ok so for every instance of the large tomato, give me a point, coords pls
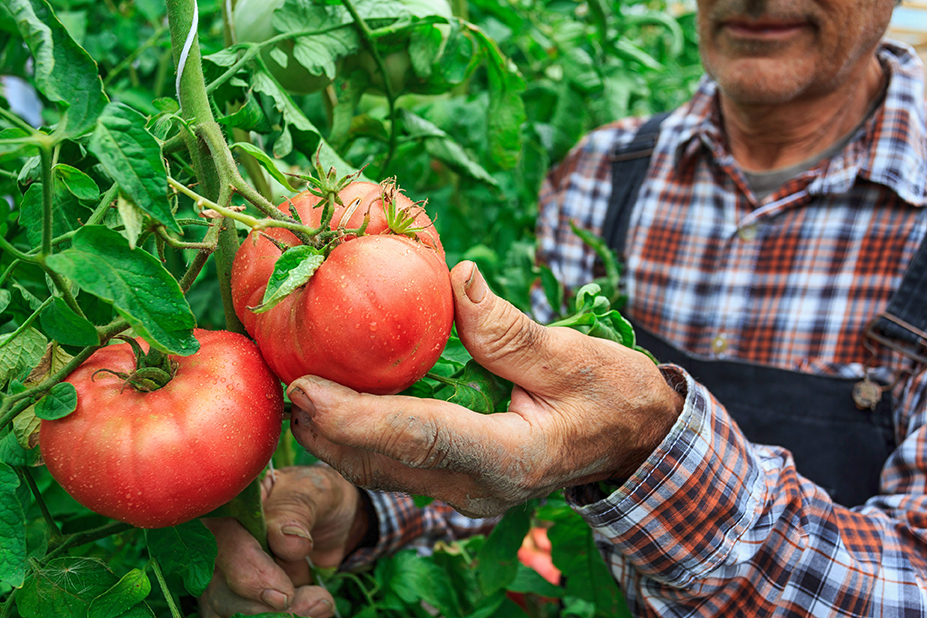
(160, 458)
(376, 314)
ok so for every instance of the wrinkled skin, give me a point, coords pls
(310, 512)
(794, 75)
(583, 409)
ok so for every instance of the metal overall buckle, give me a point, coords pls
(866, 393)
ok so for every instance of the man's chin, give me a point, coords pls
(763, 81)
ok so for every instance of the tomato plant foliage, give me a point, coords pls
(128, 186)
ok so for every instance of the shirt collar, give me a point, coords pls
(891, 149)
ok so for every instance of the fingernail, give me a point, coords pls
(302, 401)
(293, 530)
(322, 607)
(475, 287)
(275, 599)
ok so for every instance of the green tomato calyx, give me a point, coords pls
(153, 369)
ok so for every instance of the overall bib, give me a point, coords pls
(834, 442)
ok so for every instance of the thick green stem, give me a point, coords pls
(225, 255)
(48, 192)
(194, 101)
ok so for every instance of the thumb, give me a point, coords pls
(291, 510)
(500, 337)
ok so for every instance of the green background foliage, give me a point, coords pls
(95, 244)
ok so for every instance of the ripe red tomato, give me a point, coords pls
(376, 314)
(161, 458)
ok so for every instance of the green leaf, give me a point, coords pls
(417, 578)
(189, 550)
(137, 284)
(310, 139)
(585, 572)
(553, 289)
(498, 557)
(530, 581)
(5, 298)
(442, 147)
(480, 390)
(79, 184)
(293, 269)
(64, 72)
(67, 211)
(12, 453)
(60, 401)
(132, 156)
(318, 53)
(265, 161)
(64, 588)
(506, 111)
(12, 529)
(64, 326)
(250, 117)
(132, 218)
(26, 427)
(126, 593)
(20, 352)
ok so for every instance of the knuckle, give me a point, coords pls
(518, 335)
(414, 442)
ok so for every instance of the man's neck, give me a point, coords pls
(769, 137)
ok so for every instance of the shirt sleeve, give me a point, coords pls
(712, 525)
(402, 524)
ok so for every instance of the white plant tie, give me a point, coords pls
(185, 52)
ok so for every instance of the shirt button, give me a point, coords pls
(747, 233)
(719, 344)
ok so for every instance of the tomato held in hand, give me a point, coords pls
(376, 314)
(160, 458)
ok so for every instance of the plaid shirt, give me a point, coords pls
(712, 525)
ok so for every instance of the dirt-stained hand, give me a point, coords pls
(311, 511)
(583, 409)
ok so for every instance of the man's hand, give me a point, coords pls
(310, 512)
(583, 409)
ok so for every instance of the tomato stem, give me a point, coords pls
(53, 529)
(172, 605)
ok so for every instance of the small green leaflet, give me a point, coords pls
(294, 268)
(123, 596)
(19, 352)
(132, 156)
(189, 550)
(480, 390)
(595, 317)
(140, 288)
(60, 401)
(64, 326)
(266, 162)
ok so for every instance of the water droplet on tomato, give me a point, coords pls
(373, 327)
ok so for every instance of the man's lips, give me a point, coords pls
(766, 29)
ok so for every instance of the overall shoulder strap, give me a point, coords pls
(903, 325)
(629, 167)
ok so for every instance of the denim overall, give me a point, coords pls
(838, 430)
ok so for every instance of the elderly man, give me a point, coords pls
(776, 463)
